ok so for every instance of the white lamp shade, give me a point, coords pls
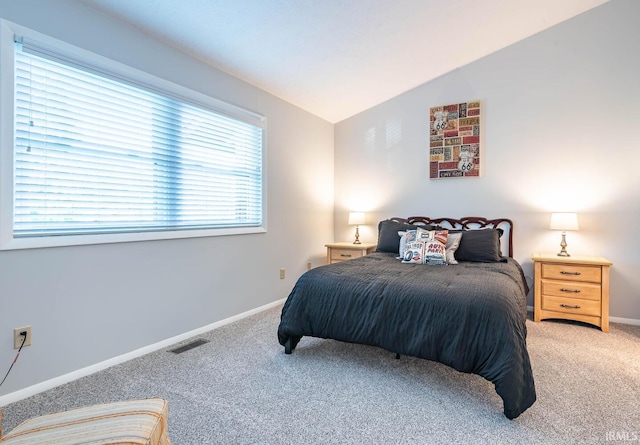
(564, 221)
(356, 218)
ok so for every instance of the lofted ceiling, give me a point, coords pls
(336, 58)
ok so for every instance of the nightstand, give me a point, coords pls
(572, 288)
(337, 252)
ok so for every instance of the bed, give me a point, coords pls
(470, 315)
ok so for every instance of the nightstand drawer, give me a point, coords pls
(345, 254)
(585, 291)
(337, 252)
(571, 305)
(572, 272)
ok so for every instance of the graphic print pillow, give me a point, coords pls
(414, 253)
(404, 236)
(428, 247)
(435, 246)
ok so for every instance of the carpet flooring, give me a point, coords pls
(240, 388)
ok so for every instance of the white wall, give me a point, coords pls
(559, 132)
(88, 304)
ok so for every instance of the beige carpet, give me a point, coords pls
(240, 388)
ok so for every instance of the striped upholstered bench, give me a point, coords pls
(130, 422)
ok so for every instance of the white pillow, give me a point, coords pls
(453, 241)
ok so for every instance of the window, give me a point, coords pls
(98, 153)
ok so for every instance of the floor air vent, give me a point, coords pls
(188, 346)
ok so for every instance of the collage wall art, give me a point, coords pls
(454, 143)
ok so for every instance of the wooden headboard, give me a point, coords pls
(467, 222)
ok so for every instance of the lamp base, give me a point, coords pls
(563, 246)
(357, 241)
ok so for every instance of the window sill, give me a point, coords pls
(80, 240)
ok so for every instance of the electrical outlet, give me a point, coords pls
(309, 266)
(17, 338)
(282, 274)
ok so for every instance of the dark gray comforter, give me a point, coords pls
(470, 316)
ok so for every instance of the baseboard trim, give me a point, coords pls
(632, 321)
(75, 375)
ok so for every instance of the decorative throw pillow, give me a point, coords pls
(428, 247)
(408, 235)
(435, 242)
(414, 253)
(481, 246)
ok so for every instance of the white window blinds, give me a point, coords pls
(96, 154)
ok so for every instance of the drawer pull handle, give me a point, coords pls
(570, 306)
(345, 254)
(577, 291)
(564, 272)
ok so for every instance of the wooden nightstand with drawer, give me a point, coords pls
(337, 252)
(572, 288)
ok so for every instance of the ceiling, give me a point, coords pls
(336, 58)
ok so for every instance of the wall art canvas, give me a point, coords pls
(454, 143)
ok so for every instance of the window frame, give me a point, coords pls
(131, 75)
